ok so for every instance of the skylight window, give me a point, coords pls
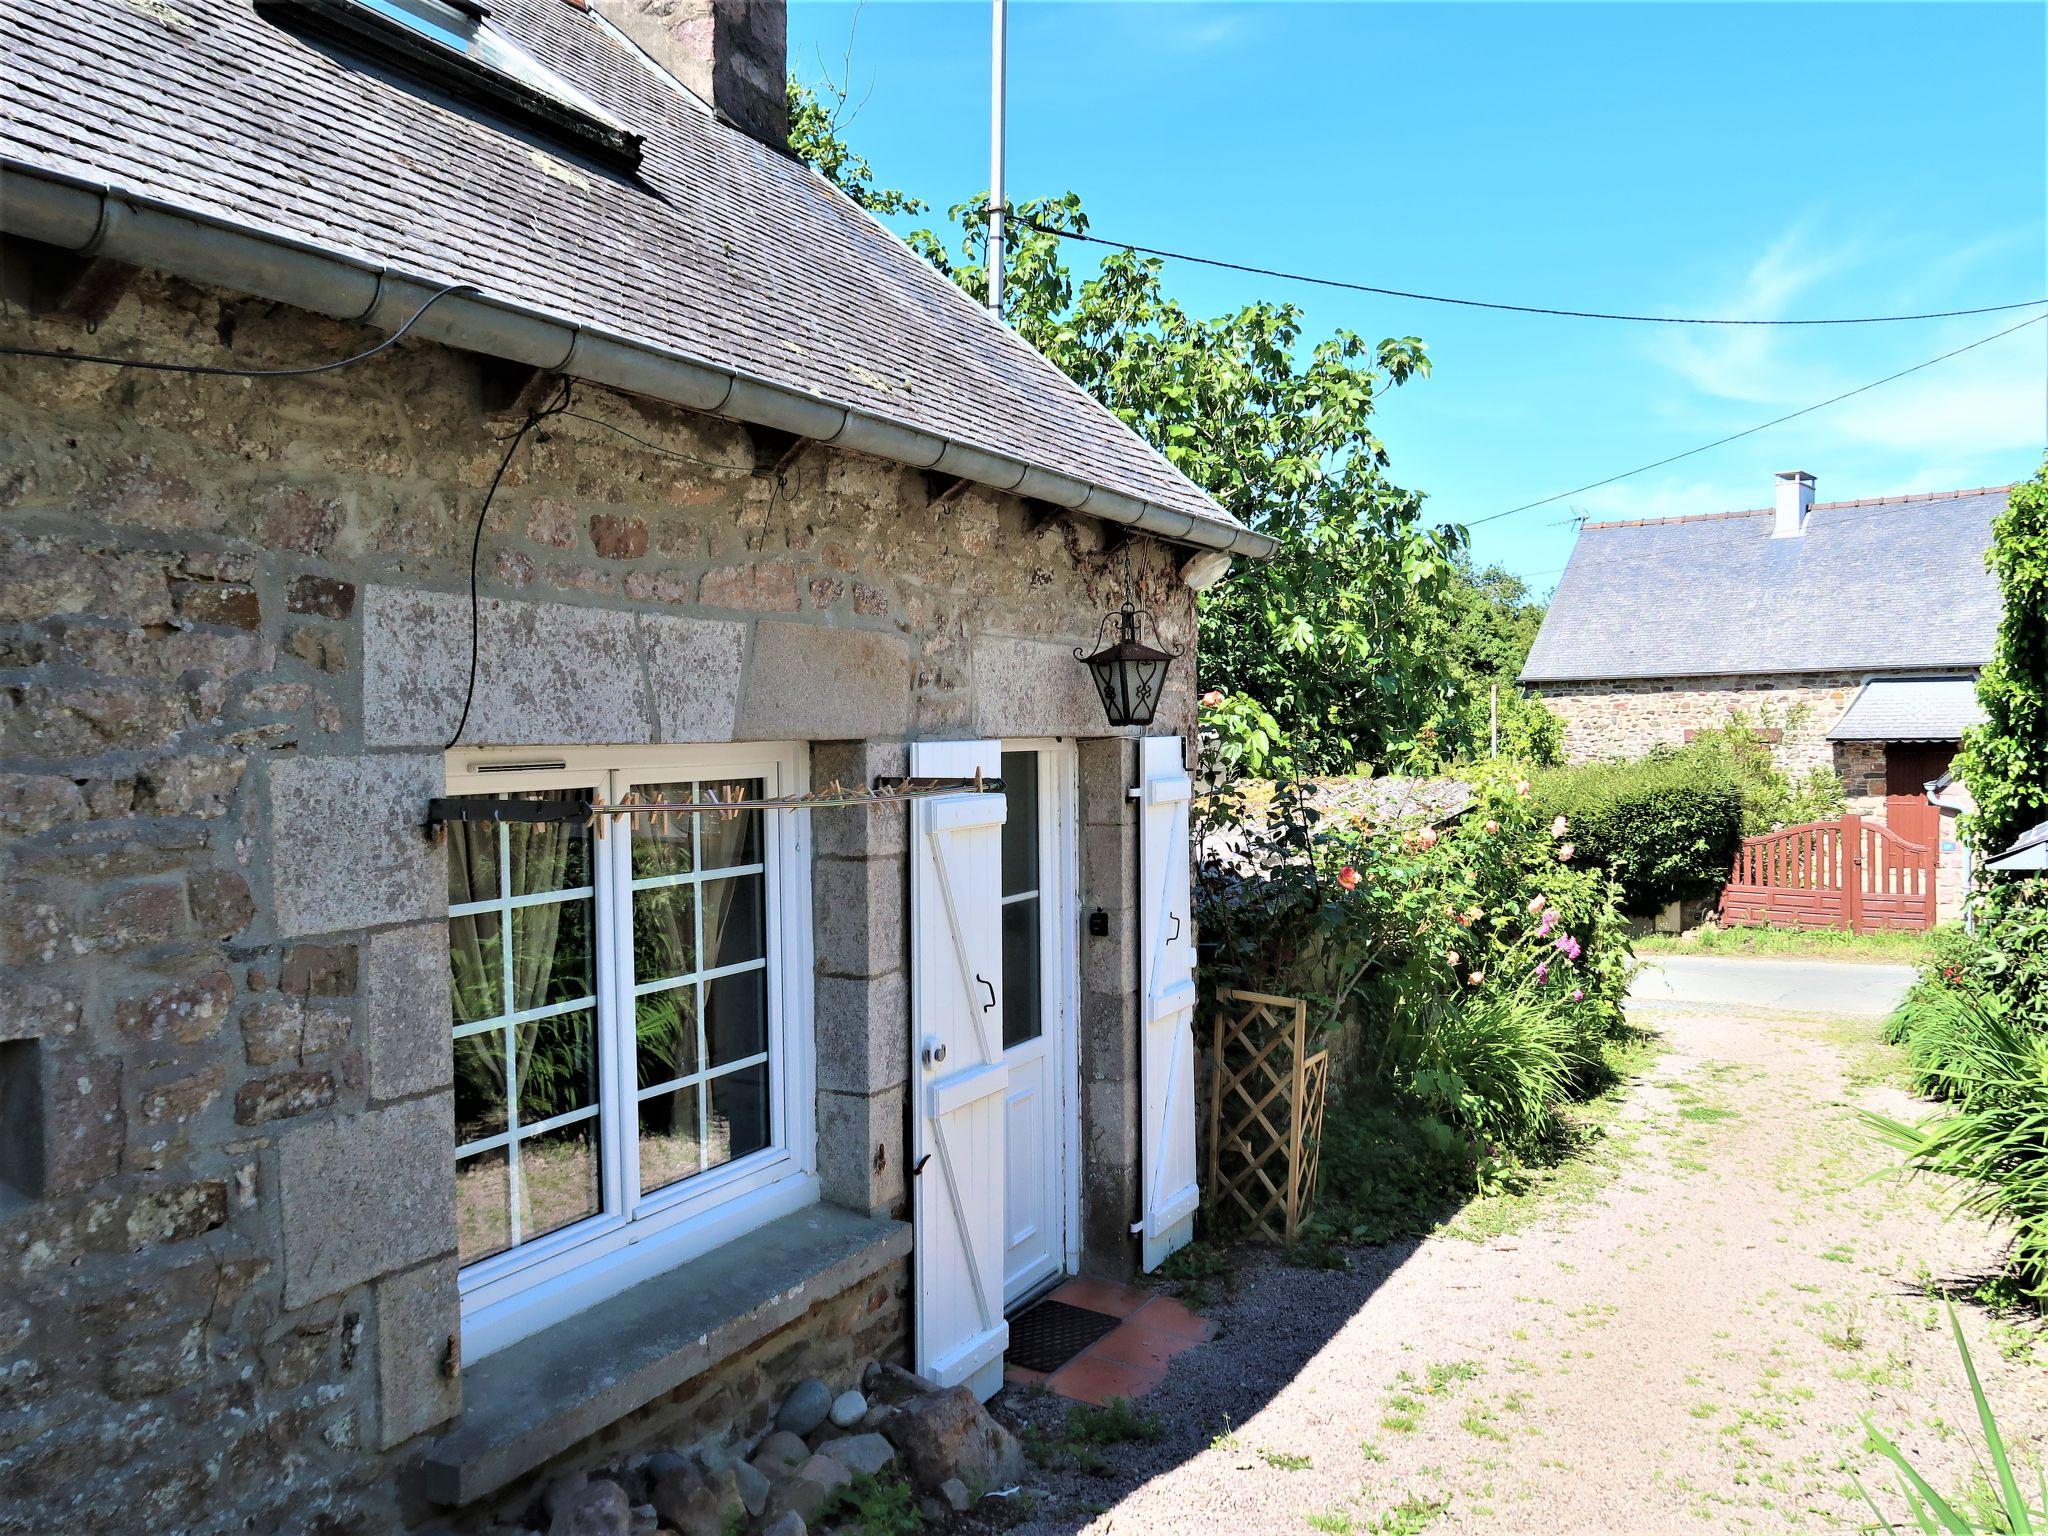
(453, 44)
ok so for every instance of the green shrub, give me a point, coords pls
(1665, 827)
(2007, 1508)
(1976, 1052)
(2005, 760)
(1492, 1065)
(1771, 798)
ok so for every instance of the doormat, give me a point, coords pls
(1048, 1335)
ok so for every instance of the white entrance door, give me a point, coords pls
(1039, 937)
(1166, 1000)
(958, 1076)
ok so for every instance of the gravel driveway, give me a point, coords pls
(1686, 1342)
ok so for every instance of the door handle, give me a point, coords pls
(1174, 937)
(990, 1004)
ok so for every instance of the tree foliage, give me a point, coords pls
(2004, 761)
(1359, 640)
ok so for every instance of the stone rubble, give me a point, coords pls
(787, 1481)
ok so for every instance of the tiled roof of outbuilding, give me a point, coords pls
(718, 250)
(1910, 709)
(1887, 584)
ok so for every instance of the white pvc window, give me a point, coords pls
(630, 1081)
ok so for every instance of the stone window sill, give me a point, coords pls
(535, 1399)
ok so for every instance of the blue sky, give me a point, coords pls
(1755, 159)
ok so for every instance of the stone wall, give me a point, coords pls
(233, 637)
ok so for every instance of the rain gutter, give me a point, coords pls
(96, 219)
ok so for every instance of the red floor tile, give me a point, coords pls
(1131, 1344)
(1165, 1315)
(1091, 1379)
(1102, 1296)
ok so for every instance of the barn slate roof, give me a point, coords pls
(1889, 584)
(719, 249)
(1910, 709)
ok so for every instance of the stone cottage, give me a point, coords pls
(1851, 632)
(384, 1129)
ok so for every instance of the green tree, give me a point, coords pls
(2004, 761)
(1493, 622)
(1342, 638)
(816, 117)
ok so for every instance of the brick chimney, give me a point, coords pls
(732, 53)
(1795, 500)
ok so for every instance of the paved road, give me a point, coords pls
(1801, 986)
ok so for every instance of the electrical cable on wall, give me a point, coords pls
(211, 370)
(1513, 309)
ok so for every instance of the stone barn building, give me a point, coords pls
(1851, 631)
(384, 1131)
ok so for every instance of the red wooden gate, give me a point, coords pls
(1849, 874)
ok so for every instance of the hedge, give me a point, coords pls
(1666, 826)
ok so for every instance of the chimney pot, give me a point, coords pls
(1795, 500)
(731, 54)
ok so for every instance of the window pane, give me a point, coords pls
(733, 924)
(664, 933)
(1023, 1019)
(668, 1137)
(557, 1066)
(1020, 826)
(662, 844)
(727, 840)
(665, 1035)
(476, 964)
(551, 953)
(739, 1115)
(557, 1178)
(483, 1206)
(547, 855)
(736, 1016)
(479, 1086)
(472, 859)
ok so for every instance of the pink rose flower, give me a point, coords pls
(1451, 956)
(1536, 904)
(1565, 852)
(1213, 699)
(1475, 978)
(1557, 827)
(1492, 827)
(1347, 877)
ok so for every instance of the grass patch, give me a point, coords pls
(1414, 1513)
(1334, 1522)
(1578, 1160)
(1079, 1440)
(875, 1506)
(1793, 943)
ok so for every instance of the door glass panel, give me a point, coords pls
(732, 921)
(476, 964)
(1020, 825)
(551, 954)
(557, 1065)
(1023, 1017)
(664, 845)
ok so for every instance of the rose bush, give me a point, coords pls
(1469, 970)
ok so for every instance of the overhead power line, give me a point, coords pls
(1529, 506)
(1516, 309)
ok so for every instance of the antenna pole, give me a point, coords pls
(997, 30)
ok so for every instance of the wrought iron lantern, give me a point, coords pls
(1129, 674)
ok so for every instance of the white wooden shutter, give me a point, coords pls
(1166, 959)
(957, 1073)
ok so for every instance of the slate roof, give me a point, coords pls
(1910, 709)
(720, 250)
(1890, 584)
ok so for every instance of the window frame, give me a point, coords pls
(517, 1292)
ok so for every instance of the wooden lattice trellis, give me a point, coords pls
(1266, 1093)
